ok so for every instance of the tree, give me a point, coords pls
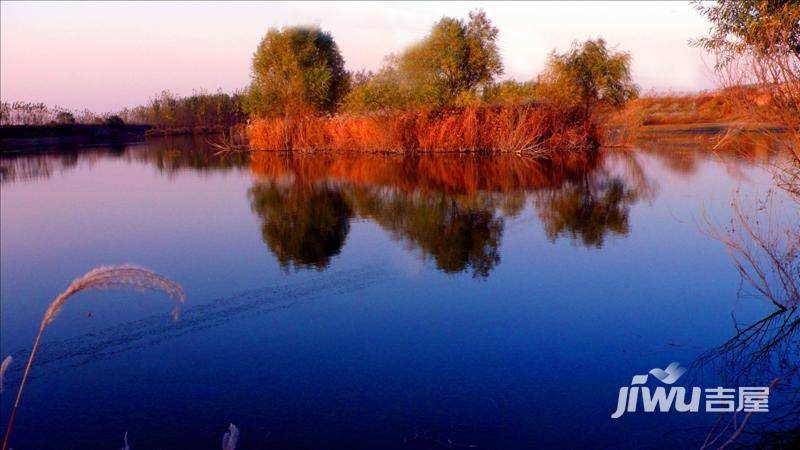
(751, 26)
(375, 91)
(456, 58)
(296, 69)
(757, 42)
(591, 75)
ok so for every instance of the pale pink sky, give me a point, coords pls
(104, 56)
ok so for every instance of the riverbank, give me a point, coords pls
(26, 137)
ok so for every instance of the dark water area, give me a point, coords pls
(382, 301)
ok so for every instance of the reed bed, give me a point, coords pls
(101, 278)
(513, 129)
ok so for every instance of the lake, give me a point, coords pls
(375, 301)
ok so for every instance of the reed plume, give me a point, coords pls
(101, 278)
(3, 367)
(230, 437)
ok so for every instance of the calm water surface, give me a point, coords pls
(365, 301)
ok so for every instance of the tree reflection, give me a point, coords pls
(765, 247)
(586, 212)
(457, 236)
(766, 352)
(304, 226)
(452, 208)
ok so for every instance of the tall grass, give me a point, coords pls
(517, 129)
(101, 278)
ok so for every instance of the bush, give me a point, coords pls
(65, 118)
(114, 121)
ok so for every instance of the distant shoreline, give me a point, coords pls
(26, 137)
(16, 138)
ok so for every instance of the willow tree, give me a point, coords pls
(456, 57)
(296, 69)
(590, 75)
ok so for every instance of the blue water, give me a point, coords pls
(368, 301)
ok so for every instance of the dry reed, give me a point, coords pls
(230, 438)
(3, 367)
(101, 278)
(515, 129)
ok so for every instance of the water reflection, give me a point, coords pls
(168, 155)
(304, 225)
(586, 211)
(764, 353)
(458, 235)
(452, 209)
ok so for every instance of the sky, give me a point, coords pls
(105, 56)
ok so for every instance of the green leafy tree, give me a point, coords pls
(510, 92)
(296, 69)
(456, 56)
(590, 75)
(454, 61)
(375, 91)
(744, 26)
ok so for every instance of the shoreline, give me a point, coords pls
(34, 138)
(15, 138)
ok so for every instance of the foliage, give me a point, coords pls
(511, 92)
(743, 26)
(590, 75)
(201, 109)
(455, 58)
(375, 91)
(296, 68)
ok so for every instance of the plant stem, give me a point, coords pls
(7, 438)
